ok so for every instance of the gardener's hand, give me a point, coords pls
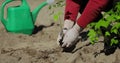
(71, 36)
(68, 24)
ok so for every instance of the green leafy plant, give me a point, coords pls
(58, 4)
(57, 14)
(108, 27)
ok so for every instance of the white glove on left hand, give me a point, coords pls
(71, 36)
(68, 24)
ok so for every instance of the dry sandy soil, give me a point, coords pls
(41, 47)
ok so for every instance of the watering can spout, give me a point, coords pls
(37, 9)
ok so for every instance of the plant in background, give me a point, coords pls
(108, 26)
(56, 15)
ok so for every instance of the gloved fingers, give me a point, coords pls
(61, 36)
(64, 44)
(66, 41)
(68, 45)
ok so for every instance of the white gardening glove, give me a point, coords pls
(71, 36)
(68, 24)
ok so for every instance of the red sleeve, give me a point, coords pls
(72, 9)
(92, 11)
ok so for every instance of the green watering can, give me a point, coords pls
(19, 18)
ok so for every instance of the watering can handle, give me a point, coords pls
(2, 11)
